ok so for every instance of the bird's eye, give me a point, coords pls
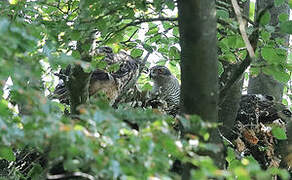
(160, 71)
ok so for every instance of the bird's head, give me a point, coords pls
(159, 73)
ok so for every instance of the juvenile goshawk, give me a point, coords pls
(166, 88)
(113, 84)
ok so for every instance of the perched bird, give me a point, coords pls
(112, 84)
(166, 88)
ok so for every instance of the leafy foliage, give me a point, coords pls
(39, 37)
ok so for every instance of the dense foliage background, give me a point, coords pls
(39, 37)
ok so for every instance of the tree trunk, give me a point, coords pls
(262, 83)
(199, 89)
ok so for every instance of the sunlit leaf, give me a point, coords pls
(265, 19)
(135, 53)
(283, 17)
(13, 1)
(279, 2)
(273, 55)
(222, 14)
(6, 153)
(279, 133)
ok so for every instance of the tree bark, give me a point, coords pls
(199, 88)
(262, 83)
(229, 107)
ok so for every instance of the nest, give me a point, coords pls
(256, 118)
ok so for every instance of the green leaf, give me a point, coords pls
(265, 35)
(278, 72)
(279, 133)
(290, 4)
(220, 68)
(4, 110)
(147, 87)
(279, 2)
(241, 173)
(174, 53)
(166, 24)
(228, 56)
(274, 55)
(175, 31)
(283, 17)
(163, 50)
(288, 66)
(6, 153)
(170, 4)
(222, 14)
(265, 19)
(161, 62)
(148, 47)
(76, 54)
(135, 53)
(152, 30)
(230, 155)
(75, 35)
(233, 41)
(13, 1)
(36, 172)
(251, 10)
(283, 173)
(71, 164)
(114, 67)
(286, 27)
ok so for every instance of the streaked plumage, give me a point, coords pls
(112, 84)
(166, 88)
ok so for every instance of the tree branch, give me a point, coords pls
(66, 176)
(137, 22)
(252, 45)
(242, 26)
